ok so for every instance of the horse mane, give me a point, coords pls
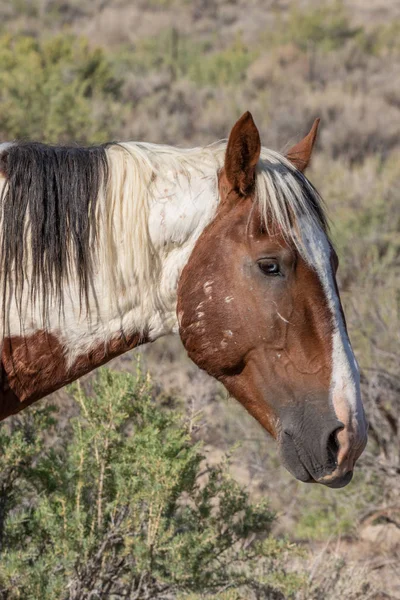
(63, 207)
(50, 200)
(283, 193)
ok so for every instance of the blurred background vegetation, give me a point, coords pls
(182, 72)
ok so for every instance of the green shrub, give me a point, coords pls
(124, 506)
(384, 39)
(325, 27)
(183, 58)
(55, 90)
(168, 51)
(222, 68)
(29, 8)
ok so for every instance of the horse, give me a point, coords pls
(108, 247)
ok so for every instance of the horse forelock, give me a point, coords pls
(286, 199)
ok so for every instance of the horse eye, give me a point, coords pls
(269, 267)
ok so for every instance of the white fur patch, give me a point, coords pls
(345, 379)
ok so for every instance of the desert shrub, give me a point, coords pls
(161, 4)
(38, 15)
(29, 8)
(366, 225)
(179, 55)
(55, 90)
(332, 577)
(123, 506)
(222, 68)
(325, 26)
(169, 51)
(21, 441)
(384, 39)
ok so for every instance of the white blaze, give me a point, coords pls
(345, 379)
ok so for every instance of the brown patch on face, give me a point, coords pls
(265, 334)
(267, 339)
(35, 366)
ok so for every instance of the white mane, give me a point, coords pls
(149, 179)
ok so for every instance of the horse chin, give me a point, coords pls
(339, 482)
(299, 471)
(301, 474)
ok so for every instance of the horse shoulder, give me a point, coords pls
(33, 367)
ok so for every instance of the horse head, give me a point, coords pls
(259, 309)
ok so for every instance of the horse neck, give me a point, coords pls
(135, 277)
(133, 288)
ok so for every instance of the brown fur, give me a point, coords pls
(227, 252)
(262, 354)
(34, 367)
(300, 154)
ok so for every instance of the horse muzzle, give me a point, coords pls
(319, 448)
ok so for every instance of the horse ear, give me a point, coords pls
(300, 154)
(242, 154)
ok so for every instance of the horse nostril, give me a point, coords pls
(333, 446)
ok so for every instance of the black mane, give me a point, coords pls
(47, 211)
